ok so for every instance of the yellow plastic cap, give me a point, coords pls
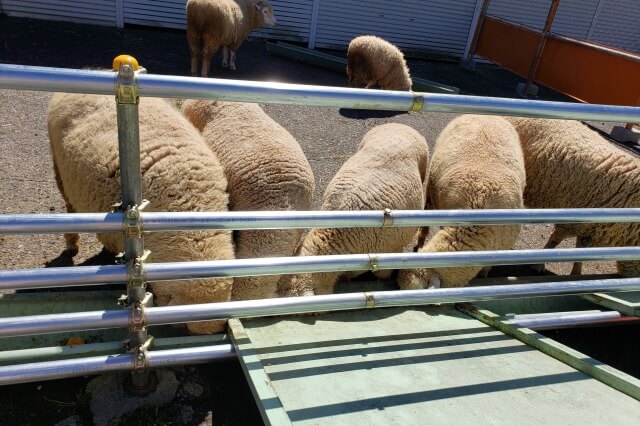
(120, 60)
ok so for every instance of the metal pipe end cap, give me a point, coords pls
(120, 60)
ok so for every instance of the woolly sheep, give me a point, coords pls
(388, 171)
(571, 166)
(179, 173)
(374, 61)
(226, 23)
(477, 164)
(266, 170)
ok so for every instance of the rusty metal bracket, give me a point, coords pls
(388, 219)
(126, 85)
(140, 355)
(137, 319)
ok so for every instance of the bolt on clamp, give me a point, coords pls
(140, 355)
(132, 223)
(388, 219)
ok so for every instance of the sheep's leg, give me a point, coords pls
(209, 48)
(225, 57)
(72, 241)
(194, 48)
(581, 242)
(232, 60)
(556, 238)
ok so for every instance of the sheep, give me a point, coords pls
(389, 170)
(179, 173)
(266, 170)
(477, 164)
(226, 23)
(374, 61)
(571, 166)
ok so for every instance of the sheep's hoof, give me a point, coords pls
(232, 67)
(225, 65)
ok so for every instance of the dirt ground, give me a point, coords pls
(328, 137)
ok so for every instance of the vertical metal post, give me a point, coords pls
(543, 40)
(476, 34)
(130, 180)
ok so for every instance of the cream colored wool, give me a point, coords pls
(477, 164)
(266, 170)
(571, 166)
(374, 61)
(388, 171)
(179, 173)
(212, 24)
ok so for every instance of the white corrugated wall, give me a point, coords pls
(101, 12)
(293, 16)
(435, 25)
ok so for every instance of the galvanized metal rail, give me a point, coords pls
(192, 221)
(102, 82)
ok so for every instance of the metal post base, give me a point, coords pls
(150, 384)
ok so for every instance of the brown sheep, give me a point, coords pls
(226, 23)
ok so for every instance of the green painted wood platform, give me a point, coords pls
(431, 365)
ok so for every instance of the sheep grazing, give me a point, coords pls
(477, 164)
(388, 171)
(179, 173)
(571, 166)
(266, 170)
(227, 23)
(374, 61)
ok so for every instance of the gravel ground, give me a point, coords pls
(328, 135)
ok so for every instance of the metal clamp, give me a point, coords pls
(373, 262)
(388, 219)
(126, 85)
(418, 103)
(132, 223)
(370, 300)
(140, 355)
(135, 270)
(137, 319)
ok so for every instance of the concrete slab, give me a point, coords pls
(396, 366)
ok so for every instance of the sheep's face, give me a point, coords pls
(266, 10)
(418, 279)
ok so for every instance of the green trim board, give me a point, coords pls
(267, 401)
(412, 366)
(627, 303)
(581, 362)
(335, 63)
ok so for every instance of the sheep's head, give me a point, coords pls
(266, 10)
(418, 279)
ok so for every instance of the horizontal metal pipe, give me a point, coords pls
(50, 370)
(189, 221)
(155, 272)
(102, 82)
(16, 279)
(43, 324)
(572, 319)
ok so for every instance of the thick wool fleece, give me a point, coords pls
(477, 164)
(179, 173)
(374, 61)
(212, 24)
(266, 170)
(388, 171)
(571, 166)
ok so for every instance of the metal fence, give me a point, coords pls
(128, 84)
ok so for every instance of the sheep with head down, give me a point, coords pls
(179, 173)
(477, 164)
(388, 171)
(571, 166)
(266, 170)
(374, 61)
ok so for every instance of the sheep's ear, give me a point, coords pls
(258, 5)
(434, 281)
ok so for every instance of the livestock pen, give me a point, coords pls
(144, 353)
